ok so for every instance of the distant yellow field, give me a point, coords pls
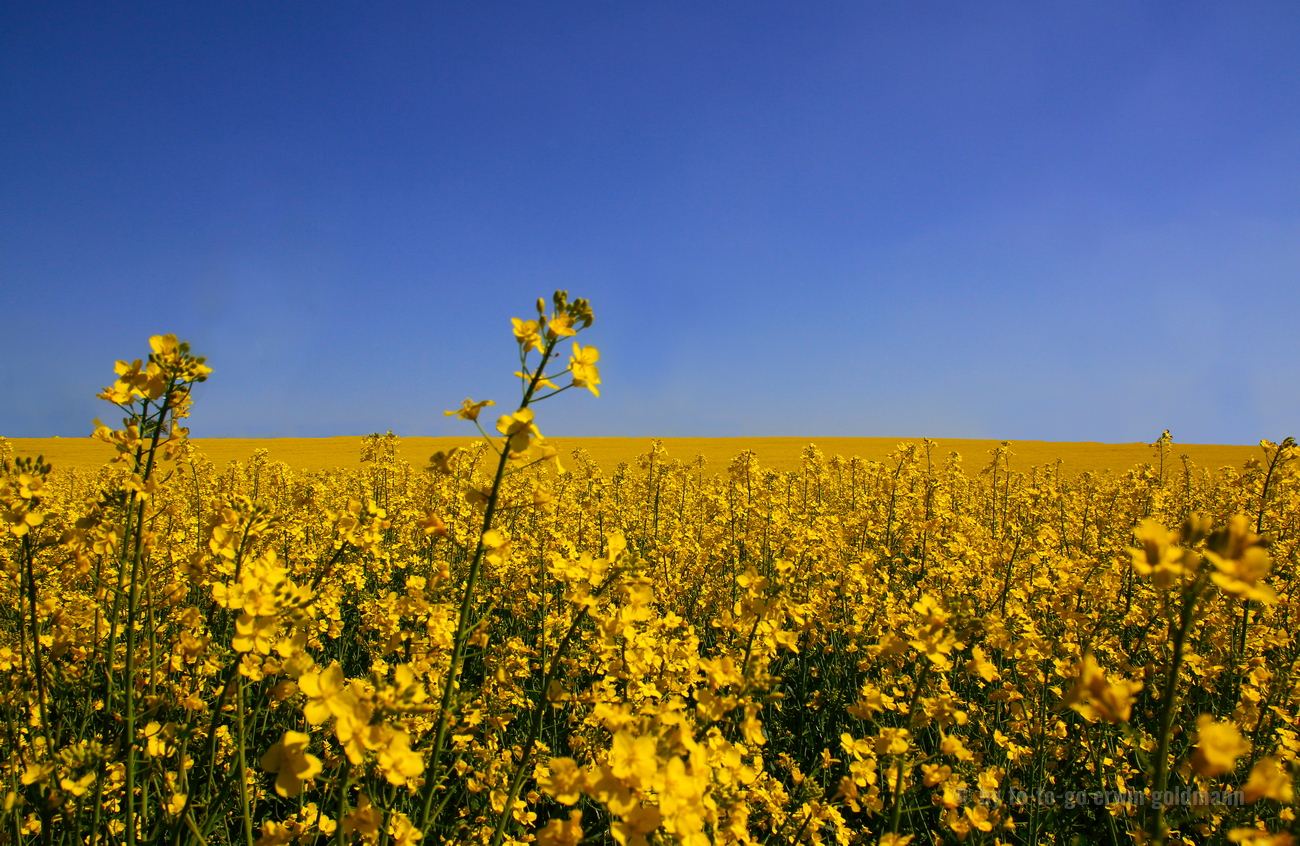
(775, 453)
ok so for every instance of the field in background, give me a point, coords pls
(775, 453)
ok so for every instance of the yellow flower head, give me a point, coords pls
(1095, 697)
(527, 333)
(1259, 837)
(364, 819)
(563, 781)
(892, 741)
(78, 787)
(164, 346)
(633, 759)
(560, 326)
(440, 461)
(291, 762)
(398, 761)
(1218, 747)
(1159, 556)
(560, 832)
(582, 366)
(326, 695)
(468, 409)
(518, 429)
(254, 634)
(402, 830)
(1269, 779)
(1239, 557)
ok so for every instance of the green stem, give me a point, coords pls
(37, 663)
(463, 628)
(132, 617)
(1168, 707)
(341, 810)
(244, 807)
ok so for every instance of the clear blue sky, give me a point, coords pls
(1032, 221)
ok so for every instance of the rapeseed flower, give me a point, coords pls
(291, 762)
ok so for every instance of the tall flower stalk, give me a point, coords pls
(518, 434)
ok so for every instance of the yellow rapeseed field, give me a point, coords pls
(781, 454)
(579, 642)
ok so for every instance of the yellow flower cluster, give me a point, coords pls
(496, 649)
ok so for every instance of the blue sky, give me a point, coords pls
(1031, 221)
